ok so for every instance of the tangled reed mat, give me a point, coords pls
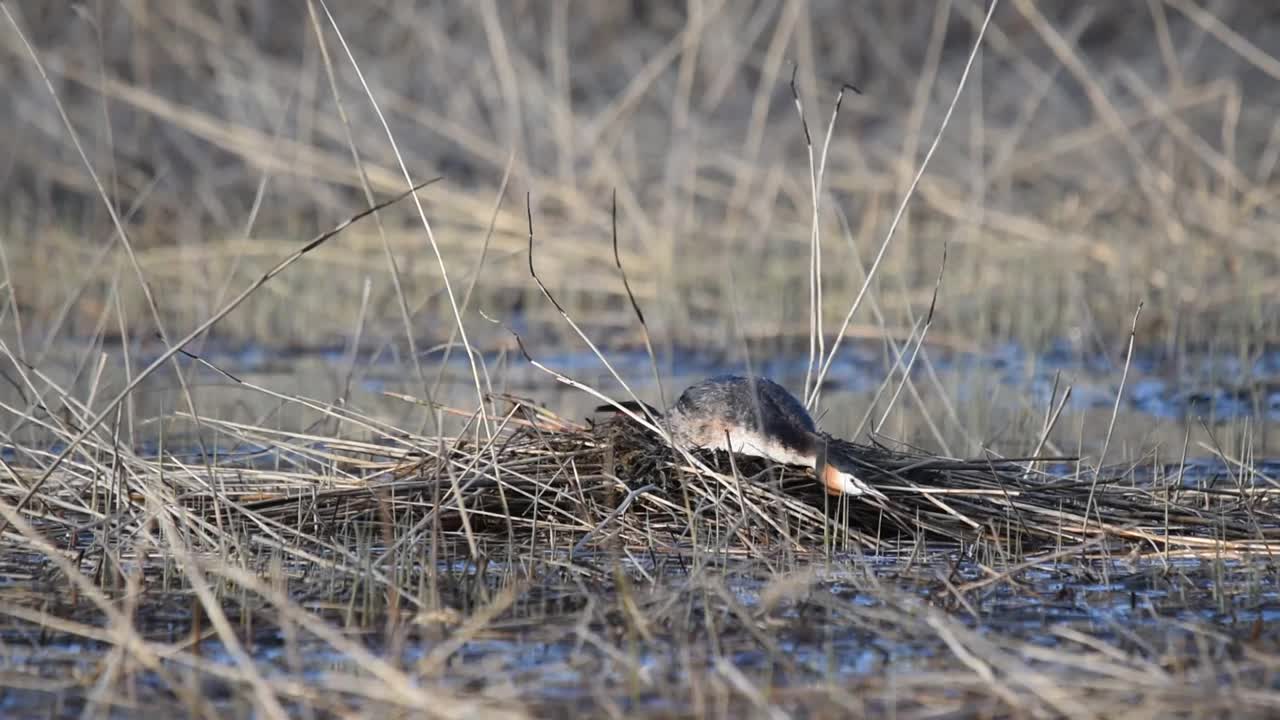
(373, 548)
(611, 482)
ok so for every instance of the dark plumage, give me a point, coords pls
(755, 404)
(757, 416)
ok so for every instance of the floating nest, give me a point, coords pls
(613, 481)
(541, 482)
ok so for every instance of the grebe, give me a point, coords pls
(757, 416)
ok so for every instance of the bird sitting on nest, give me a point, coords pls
(758, 417)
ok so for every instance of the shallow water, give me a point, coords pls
(858, 618)
(854, 618)
(1216, 387)
(1209, 385)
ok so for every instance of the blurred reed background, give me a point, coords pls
(1102, 155)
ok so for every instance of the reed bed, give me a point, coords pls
(609, 481)
(597, 544)
(512, 562)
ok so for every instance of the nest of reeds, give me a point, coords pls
(612, 481)
(538, 481)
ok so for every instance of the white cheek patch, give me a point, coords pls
(753, 443)
(758, 445)
(851, 485)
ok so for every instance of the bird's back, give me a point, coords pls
(752, 404)
(757, 416)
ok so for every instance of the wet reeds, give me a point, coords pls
(610, 481)
(595, 541)
(180, 540)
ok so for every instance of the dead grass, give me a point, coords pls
(276, 547)
(1076, 178)
(595, 547)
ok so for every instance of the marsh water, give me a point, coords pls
(1207, 389)
(554, 652)
(844, 625)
